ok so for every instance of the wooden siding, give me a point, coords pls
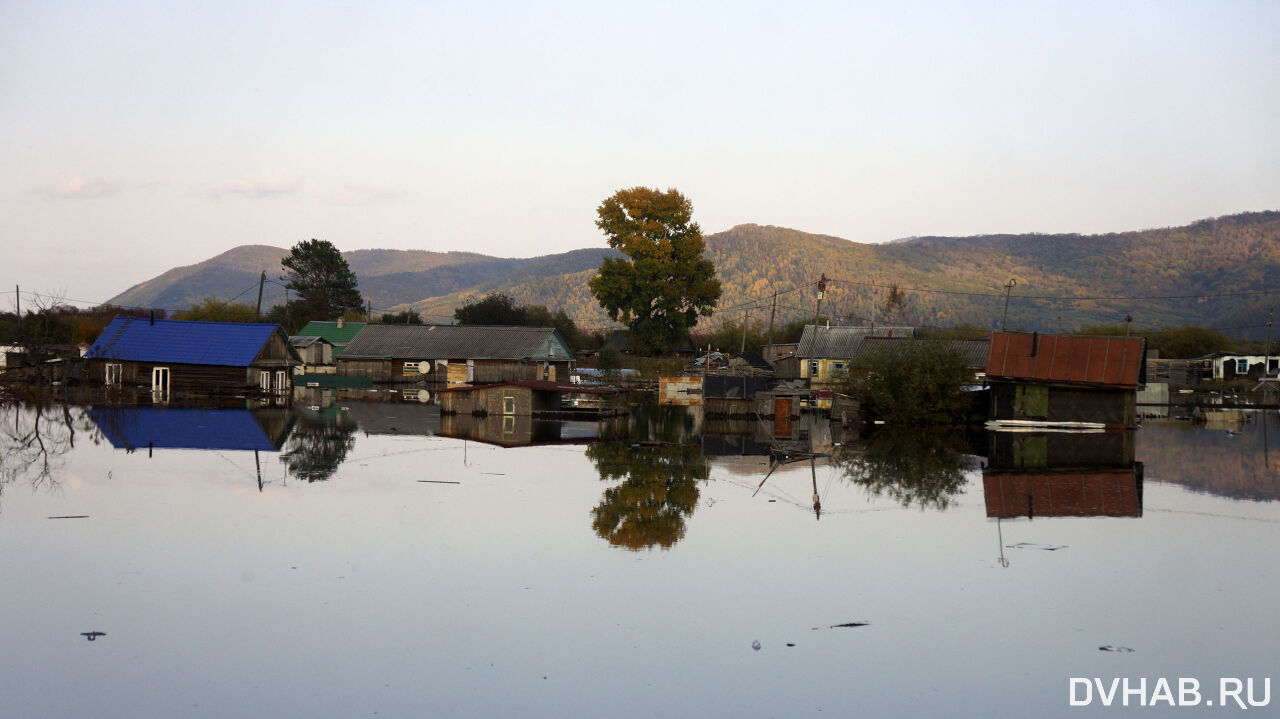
(193, 379)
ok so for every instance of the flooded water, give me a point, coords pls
(353, 561)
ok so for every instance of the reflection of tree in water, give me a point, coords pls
(317, 446)
(660, 477)
(923, 466)
(35, 439)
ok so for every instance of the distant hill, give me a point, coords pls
(1211, 273)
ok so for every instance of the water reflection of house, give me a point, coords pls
(1052, 379)
(1062, 474)
(525, 399)
(446, 354)
(396, 418)
(133, 428)
(524, 431)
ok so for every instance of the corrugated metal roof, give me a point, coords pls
(974, 352)
(339, 337)
(425, 342)
(300, 342)
(137, 339)
(181, 428)
(819, 342)
(1113, 362)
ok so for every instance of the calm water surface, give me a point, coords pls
(357, 563)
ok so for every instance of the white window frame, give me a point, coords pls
(1242, 366)
(156, 374)
(282, 380)
(264, 380)
(115, 373)
(508, 404)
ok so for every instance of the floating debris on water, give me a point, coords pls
(1033, 545)
(1113, 648)
(756, 645)
(71, 516)
(92, 635)
(849, 625)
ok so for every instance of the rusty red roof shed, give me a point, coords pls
(1104, 362)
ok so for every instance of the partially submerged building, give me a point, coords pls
(825, 354)
(1064, 379)
(198, 358)
(451, 355)
(338, 333)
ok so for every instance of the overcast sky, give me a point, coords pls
(143, 136)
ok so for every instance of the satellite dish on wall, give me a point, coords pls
(424, 367)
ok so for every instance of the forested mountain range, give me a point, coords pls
(1215, 273)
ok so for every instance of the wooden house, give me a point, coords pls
(452, 355)
(338, 334)
(1230, 366)
(824, 354)
(1056, 379)
(313, 349)
(197, 358)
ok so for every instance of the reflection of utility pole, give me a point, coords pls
(1008, 290)
(813, 470)
(1128, 320)
(258, 466)
(1000, 538)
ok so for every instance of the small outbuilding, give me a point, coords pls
(200, 358)
(338, 333)
(314, 350)
(1056, 379)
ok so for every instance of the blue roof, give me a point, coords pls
(181, 428)
(136, 339)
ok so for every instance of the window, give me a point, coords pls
(508, 425)
(508, 404)
(1273, 364)
(282, 380)
(114, 373)
(264, 381)
(813, 368)
(838, 368)
(1242, 366)
(160, 380)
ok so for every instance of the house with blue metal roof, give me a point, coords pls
(196, 358)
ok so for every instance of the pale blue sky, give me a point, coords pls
(141, 136)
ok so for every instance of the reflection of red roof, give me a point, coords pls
(540, 385)
(1089, 493)
(1113, 362)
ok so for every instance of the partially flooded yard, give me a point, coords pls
(352, 561)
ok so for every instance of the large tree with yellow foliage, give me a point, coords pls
(664, 283)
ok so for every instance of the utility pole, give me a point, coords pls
(772, 312)
(368, 313)
(1008, 290)
(17, 301)
(1266, 365)
(262, 279)
(822, 290)
(743, 349)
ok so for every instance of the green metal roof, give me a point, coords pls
(337, 336)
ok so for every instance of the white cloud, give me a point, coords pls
(260, 188)
(78, 188)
